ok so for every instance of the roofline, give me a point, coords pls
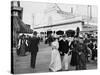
(60, 24)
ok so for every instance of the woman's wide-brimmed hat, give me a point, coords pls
(60, 32)
(70, 33)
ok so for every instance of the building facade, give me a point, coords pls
(16, 10)
(64, 25)
(57, 19)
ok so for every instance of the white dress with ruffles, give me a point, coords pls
(55, 63)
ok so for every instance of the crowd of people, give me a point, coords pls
(66, 51)
(73, 51)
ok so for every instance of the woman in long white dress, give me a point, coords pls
(55, 64)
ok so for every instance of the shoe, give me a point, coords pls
(50, 70)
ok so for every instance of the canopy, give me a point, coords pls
(19, 26)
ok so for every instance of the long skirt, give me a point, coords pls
(55, 64)
(74, 59)
(22, 50)
(81, 65)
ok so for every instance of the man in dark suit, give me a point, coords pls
(33, 46)
(63, 47)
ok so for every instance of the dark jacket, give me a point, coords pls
(63, 47)
(33, 45)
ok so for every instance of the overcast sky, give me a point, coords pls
(37, 9)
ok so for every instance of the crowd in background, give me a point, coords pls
(89, 39)
(86, 43)
(77, 51)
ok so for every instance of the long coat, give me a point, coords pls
(33, 47)
(33, 44)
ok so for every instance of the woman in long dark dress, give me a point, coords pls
(74, 53)
(22, 46)
(81, 50)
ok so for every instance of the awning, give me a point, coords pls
(19, 26)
